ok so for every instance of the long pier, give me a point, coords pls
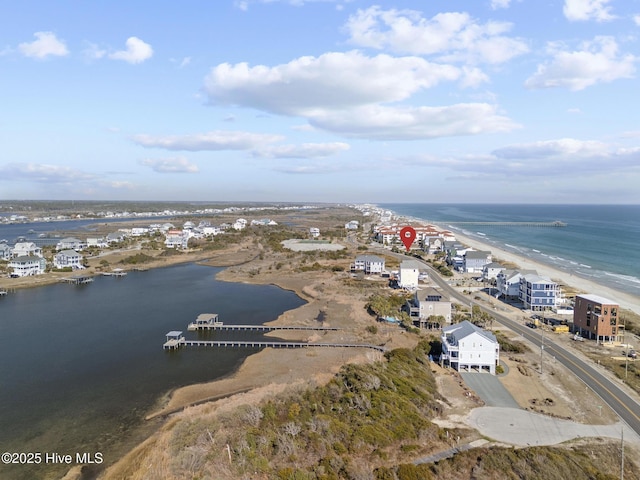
(557, 223)
(263, 328)
(260, 344)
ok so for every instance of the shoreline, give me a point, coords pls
(624, 299)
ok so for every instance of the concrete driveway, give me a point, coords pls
(523, 428)
(489, 389)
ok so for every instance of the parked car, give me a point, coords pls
(632, 354)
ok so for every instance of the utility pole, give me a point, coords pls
(541, 341)
(621, 453)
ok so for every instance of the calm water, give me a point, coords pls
(599, 243)
(80, 365)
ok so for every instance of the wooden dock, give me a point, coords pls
(78, 280)
(116, 272)
(175, 343)
(209, 321)
(3, 291)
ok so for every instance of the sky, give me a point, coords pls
(439, 101)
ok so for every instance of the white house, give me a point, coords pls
(139, 231)
(409, 273)
(352, 225)
(25, 249)
(68, 258)
(26, 265)
(466, 347)
(314, 232)
(369, 264)
(5, 251)
(99, 242)
(240, 224)
(491, 270)
(176, 239)
(474, 261)
(71, 243)
(508, 283)
(210, 231)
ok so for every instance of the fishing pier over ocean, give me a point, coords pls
(556, 223)
(209, 321)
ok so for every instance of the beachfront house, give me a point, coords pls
(466, 347)
(597, 317)
(368, 264)
(426, 305)
(491, 270)
(409, 273)
(27, 265)
(475, 261)
(68, 258)
(537, 293)
(26, 249)
(508, 284)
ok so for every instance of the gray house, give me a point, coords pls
(475, 260)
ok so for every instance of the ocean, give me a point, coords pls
(600, 242)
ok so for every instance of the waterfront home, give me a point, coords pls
(597, 317)
(26, 265)
(314, 232)
(99, 242)
(139, 231)
(68, 258)
(5, 251)
(210, 231)
(409, 273)
(466, 347)
(537, 293)
(369, 264)
(508, 283)
(491, 270)
(176, 239)
(115, 237)
(26, 249)
(427, 304)
(71, 243)
(475, 260)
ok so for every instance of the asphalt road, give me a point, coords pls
(625, 406)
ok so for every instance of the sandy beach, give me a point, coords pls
(583, 285)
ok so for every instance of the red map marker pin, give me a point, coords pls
(407, 235)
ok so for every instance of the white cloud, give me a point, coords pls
(351, 93)
(410, 123)
(216, 140)
(94, 52)
(496, 4)
(137, 51)
(305, 150)
(582, 10)
(597, 62)
(43, 173)
(47, 44)
(170, 165)
(454, 36)
(337, 80)
(636, 19)
(541, 159)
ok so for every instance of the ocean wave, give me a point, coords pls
(626, 278)
(585, 266)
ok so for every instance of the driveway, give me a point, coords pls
(489, 389)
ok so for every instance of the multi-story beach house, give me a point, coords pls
(369, 264)
(467, 347)
(508, 283)
(427, 304)
(537, 293)
(314, 232)
(68, 258)
(475, 260)
(5, 251)
(71, 243)
(22, 249)
(409, 274)
(491, 270)
(597, 317)
(26, 265)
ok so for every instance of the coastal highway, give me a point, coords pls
(611, 394)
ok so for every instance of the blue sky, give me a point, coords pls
(510, 101)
